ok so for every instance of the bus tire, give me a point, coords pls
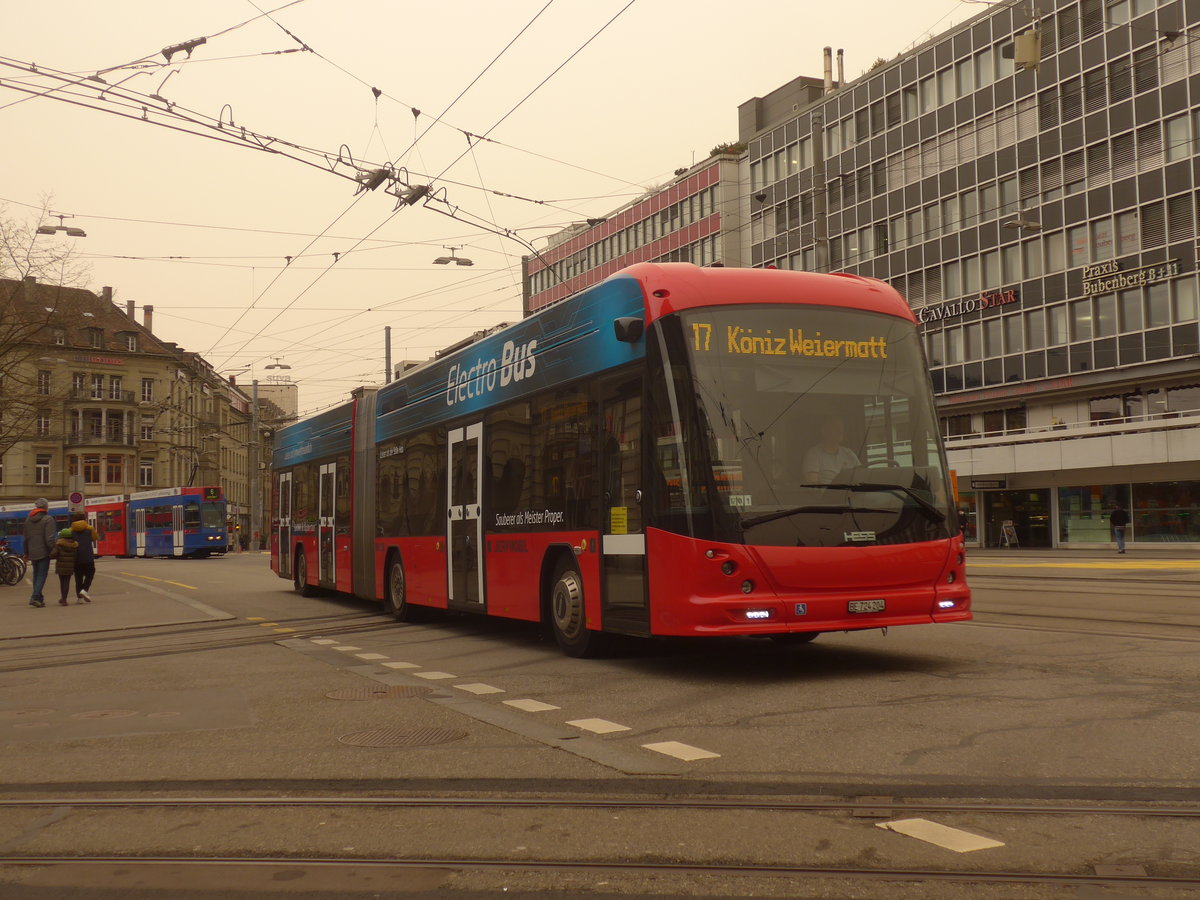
(396, 591)
(567, 613)
(795, 637)
(300, 576)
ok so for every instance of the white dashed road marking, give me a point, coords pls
(531, 705)
(347, 649)
(324, 641)
(479, 689)
(685, 752)
(400, 665)
(434, 676)
(598, 726)
(942, 835)
(370, 656)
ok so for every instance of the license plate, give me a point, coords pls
(866, 606)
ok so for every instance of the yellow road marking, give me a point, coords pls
(268, 624)
(190, 587)
(135, 575)
(255, 619)
(285, 630)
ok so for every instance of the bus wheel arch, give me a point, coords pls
(564, 607)
(300, 574)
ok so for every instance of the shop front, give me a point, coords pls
(1018, 519)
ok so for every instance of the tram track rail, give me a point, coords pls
(646, 867)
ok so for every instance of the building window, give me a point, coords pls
(131, 343)
(43, 381)
(147, 390)
(91, 469)
(78, 384)
(43, 424)
(146, 472)
(97, 387)
(60, 336)
(41, 469)
(115, 470)
(72, 465)
(96, 338)
(114, 387)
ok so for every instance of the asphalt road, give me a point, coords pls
(1059, 725)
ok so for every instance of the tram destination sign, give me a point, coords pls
(1104, 277)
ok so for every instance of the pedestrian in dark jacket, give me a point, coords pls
(1118, 518)
(85, 556)
(63, 555)
(40, 534)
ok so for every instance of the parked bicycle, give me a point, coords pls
(12, 568)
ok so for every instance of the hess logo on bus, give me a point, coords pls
(516, 363)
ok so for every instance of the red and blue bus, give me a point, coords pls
(179, 521)
(109, 516)
(12, 522)
(675, 451)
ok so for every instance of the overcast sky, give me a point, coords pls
(200, 229)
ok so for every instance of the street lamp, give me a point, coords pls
(70, 230)
(457, 260)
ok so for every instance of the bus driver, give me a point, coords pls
(827, 458)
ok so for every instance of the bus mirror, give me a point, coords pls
(628, 329)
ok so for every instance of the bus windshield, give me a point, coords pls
(212, 515)
(799, 426)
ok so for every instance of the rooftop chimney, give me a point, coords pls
(841, 68)
(106, 293)
(129, 310)
(828, 70)
(148, 317)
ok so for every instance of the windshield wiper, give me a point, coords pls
(784, 513)
(928, 508)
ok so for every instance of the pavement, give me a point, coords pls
(122, 599)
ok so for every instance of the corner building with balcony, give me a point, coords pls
(1041, 222)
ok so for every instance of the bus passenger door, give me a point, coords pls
(623, 541)
(284, 538)
(325, 496)
(177, 529)
(139, 532)
(464, 522)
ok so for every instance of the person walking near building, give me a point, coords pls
(40, 535)
(1119, 519)
(63, 555)
(85, 557)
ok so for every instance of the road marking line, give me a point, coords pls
(285, 630)
(135, 575)
(268, 624)
(598, 726)
(434, 676)
(347, 649)
(479, 689)
(324, 641)
(401, 665)
(942, 835)
(685, 752)
(259, 619)
(531, 705)
(370, 656)
(190, 587)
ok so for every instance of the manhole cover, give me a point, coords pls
(105, 714)
(378, 692)
(24, 713)
(394, 737)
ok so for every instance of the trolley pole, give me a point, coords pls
(255, 473)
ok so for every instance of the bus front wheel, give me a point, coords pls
(567, 615)
(300, 576)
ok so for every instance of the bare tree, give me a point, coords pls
(24, 323)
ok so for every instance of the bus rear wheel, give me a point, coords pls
(300, 576)
(567, 615)
(396, 594)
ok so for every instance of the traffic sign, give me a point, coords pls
(75, 502)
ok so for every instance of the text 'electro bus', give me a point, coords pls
(676, 451)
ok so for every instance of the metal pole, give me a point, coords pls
(387, 354)
(255, 477)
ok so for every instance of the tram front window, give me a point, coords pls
(816, 425)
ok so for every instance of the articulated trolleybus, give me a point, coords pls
(675, 451)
